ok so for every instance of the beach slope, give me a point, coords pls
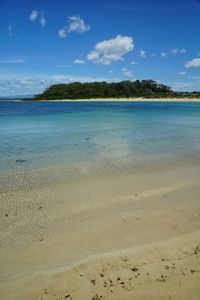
(129, 235)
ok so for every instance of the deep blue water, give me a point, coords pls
(41, 134)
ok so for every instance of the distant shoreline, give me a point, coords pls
(195, 100)
(124, 100)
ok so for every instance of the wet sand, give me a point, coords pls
(133, 235)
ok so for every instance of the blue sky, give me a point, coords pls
(46, 42)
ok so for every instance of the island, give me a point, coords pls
(147, 89)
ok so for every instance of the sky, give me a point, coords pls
(45, 42)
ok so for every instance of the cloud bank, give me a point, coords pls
(21, 85)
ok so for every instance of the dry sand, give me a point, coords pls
(122, 236)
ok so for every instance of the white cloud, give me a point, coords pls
(62, 33)
(163, 54)
(182, 51)
(95, 57)
(181, 73)
(142, 53)
(134, 63)
(76, 24)
(63, 66)
(34, 15)
(11, 30)
(127, 73)
(178, 51)
(175, 51)
(111, 50)
(13, 61)
(79, 61)
(194, 63)
(43, 21)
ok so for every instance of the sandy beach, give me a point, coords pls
(125, 235)
(129, 100)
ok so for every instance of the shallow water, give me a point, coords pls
(35, 135)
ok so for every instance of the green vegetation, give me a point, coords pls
(123, 89)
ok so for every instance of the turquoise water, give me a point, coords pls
(38, 135)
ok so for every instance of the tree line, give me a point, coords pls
(123, 89)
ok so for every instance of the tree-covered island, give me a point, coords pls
(103, 90)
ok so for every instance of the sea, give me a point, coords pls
(73, 135)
